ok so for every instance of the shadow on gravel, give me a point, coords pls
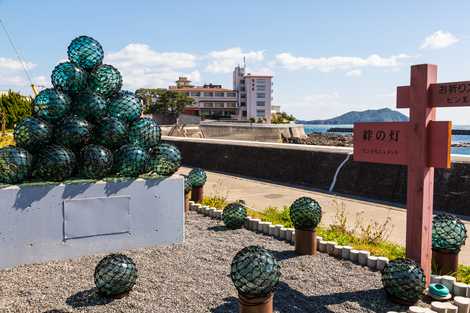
(284, 255)
(86, 298)
(217, 228)
(230, 305)
(55, 311)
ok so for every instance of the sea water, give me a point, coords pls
(455, 138)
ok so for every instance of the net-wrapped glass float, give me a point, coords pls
(198, 177)
(144, 132)
(187, 184)
(255, 272)
(15, 165)
(54, 163)
(89, 106)
(170, 152)
(72, 132)
(234, 215)
(127, 107)
(115, 274)
(111, 133)
(105, 80)
(403, 280)
(95, 161)
(51, 105)
(163, 166)
(131, 161)
(305, 213)
(85, 52)
(448, 233)
(32, 133)
(69, 78)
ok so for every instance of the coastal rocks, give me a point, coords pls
(322, 140)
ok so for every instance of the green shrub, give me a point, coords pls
(13, 107)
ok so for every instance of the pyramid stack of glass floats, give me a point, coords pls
(86, 126)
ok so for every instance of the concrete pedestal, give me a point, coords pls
(446, 262)
(256, 305)
(197, 194)
(305, 242)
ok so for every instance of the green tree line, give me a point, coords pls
(13, 107)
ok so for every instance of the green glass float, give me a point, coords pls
(105, 80)
(170, 152)
(32, 133)
(255, 272)
(72, 132)
(95, 161)
(15, 165)
(403, 280)
(89, 106)
(305, 213)
(187, 184)
(145, 132)
(111, 133)
(69, 78)
(448, 233)
(115, 275)
(51, 105)
(127, 107)
(234, 215)
(131, 161)
(54, 163)
(163, 166)
(198, 177)
(86, 52)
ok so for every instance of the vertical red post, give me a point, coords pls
(420, 175)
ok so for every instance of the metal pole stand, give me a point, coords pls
(197, 194)
(446, 262)
(305, 242)
(256, 305)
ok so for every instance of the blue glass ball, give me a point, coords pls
(125, 106)
(86, 52)
(54, 163)
(69, 78)
(32, 133)
(95, 161)
(105, 80)
(15, 165)
(111, 133)
(89, 106)
(72, 132)
(145, 132)
(131, 161)
(51, 105)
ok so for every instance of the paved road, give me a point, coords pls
(261, 194)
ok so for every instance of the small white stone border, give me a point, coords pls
(460, 291)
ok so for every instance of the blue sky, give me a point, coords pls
(327, 57)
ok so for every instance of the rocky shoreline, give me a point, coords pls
(322, 139)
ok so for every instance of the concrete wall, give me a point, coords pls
(51, 222)
(315, 166)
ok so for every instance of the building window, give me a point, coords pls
(243, 104)
(231, 94)
(244, 113)
(208, 94)
(261, 81)
(243, 96)
(260, 95)
(208, 105)
(219, 94)
(260, 103)
(260, 113)
(231, 105)
(260, 88)
(195, 94)
(219, 104)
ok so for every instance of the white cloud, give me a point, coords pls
(439, 40)
(328, 64)
(14, 65)
(143, 67)
(354, 73)
(225, 60)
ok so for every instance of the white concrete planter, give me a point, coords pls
(381, 262)
(449, 282)
(463, 304)
(330, 247)
(345, 252)
(282, 233)
(362, 257)
(372, 262)
(460, 289)
(289, 232)
(255, 224)
(266, 227)
(436, 279)
(353, 255)
(57, 221)
(277, 230)
(322, 246)
(337, 251)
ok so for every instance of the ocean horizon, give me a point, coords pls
(322, 128)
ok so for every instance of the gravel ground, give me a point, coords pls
(193, 277)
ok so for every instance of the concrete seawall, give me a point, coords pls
(316, 167)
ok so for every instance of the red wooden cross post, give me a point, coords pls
(422, 144)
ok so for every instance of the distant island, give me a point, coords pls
(381, 115)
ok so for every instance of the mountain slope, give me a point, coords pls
(381, 115)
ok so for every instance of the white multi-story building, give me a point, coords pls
(250, 98)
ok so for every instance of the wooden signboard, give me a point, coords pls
(421, 144)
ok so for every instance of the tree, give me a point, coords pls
(163, 101)
(282, 118)
(13, 108)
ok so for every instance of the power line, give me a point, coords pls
(17, 52)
